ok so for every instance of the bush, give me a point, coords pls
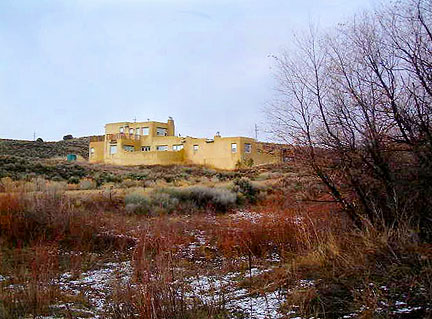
(245, 187)
(203, 197)
(87, 184)
(138, 202)
(152, 204)
(67, 137)
(46, 217)
(168, 200)
(105, 177)
(74, 180)
(163, 202)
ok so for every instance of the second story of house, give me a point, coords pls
(137, 130)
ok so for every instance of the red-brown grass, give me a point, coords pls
(312, 240)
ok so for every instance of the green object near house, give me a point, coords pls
(71, 157)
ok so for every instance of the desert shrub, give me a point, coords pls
(269, 175)
(169, 200)
(74, 180)
(56, 178)
(138, 202)
(209, 172)
(214, 179)
(205, 197)
(67, 137)
(163, 202)
(187, 170)
(20, 168)
(228, 175)
(128, 183)
(150, 204)
(105, 177)
(6, 184)
(54, 187)
(245, 188)
(138, 176)
(149, 184)
(169, 178)
(87, 184)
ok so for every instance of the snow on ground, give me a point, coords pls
(253, 217)
(191, 251)
(398, 308)
(95, 285)
(225, 291)
(406, 310)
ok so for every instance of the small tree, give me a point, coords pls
(67, 137)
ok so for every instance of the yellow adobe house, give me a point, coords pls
(155, 143)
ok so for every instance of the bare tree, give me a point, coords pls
(356, 103)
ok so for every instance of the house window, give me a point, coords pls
(113, 149)
(248, 148)
(234, 148)
(160, 131)
(177, 147)
(122, 129)
(145, 131)
(92, 151)
(128, 148)
(195, 148)
(145, 148)
(162, 148)
(137, 131)
(131, 131)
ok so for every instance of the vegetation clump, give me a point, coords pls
(246, 189)
(180, 200)
(219, 199)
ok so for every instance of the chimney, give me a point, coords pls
(171, 127)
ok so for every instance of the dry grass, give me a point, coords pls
(324, 265)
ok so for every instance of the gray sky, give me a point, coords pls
(70, 66)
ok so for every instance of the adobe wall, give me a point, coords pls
(146, 158)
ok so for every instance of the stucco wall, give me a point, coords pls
(146, 158)
(216, 152)
(99, 151)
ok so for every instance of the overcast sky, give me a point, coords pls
(69, 67)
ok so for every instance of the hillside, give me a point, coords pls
(34, 149)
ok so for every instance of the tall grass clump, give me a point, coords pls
(218, 199)
(180, 200)
(150, 204)
(28, 219)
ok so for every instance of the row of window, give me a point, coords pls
(162, 148)
(160, 131)
(247, 148)
(130, 148)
